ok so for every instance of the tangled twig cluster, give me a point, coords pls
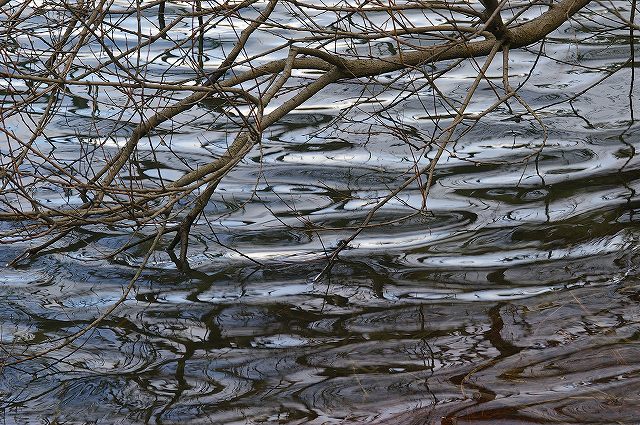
(57, 53)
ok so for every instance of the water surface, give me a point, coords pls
(514, 300)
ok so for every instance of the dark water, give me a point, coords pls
(515, 301)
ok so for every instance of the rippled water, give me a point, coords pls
(515, 301)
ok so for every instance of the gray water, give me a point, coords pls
(515, 300)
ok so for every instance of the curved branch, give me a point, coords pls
(523, 35)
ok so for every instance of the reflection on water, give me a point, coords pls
(516, 300)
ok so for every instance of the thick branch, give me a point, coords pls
(522, 35)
